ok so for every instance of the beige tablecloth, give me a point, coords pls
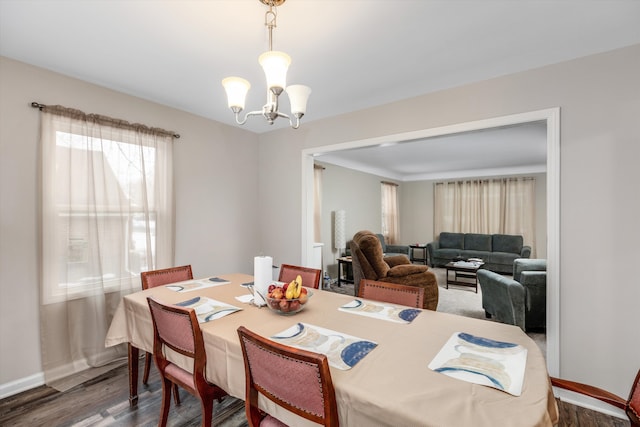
(391, 386)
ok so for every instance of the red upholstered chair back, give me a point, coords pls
(412, 296)
(178, 328)
(151, 279)
(310, 276)
(306, 389)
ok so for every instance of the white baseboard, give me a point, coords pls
(21, 384)
(589, 403)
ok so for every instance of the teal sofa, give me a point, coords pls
(521, 301)
(498, 251)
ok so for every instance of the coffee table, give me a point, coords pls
(463, 270)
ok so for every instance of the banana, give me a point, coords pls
(298, 286)
(291, 290)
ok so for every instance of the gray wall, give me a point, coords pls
(249, 202)
(600, 104)
(215, 184)
(358, 194)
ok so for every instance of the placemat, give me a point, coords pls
(343, 351)
(380, 310)
(208, 309)
(194, 285)
(482, 361)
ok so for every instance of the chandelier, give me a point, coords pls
(275, 65)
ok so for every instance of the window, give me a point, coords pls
(489, 206)
(389, 199)
(107, 207)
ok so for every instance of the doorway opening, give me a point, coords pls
(552, 119)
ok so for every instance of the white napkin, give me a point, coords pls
(245, 298)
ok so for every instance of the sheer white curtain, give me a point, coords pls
(390, 215)
(317, 202)
(497, 206)
(107, 214)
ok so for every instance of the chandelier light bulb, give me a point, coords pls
(298, 97)
(275, 65)
(236, 88)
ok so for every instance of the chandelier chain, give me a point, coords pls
(270, 22)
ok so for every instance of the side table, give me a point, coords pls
(342, 261)
(412, 249)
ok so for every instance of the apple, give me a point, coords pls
(274, 303)
(284, 305)
(271, 287)
(294, 305)
(304, 297)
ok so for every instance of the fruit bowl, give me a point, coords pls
(287, 307)
(277, 299)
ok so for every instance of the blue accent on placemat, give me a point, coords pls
(206, 319)
(409, 314)
(490, 378)
(298, 332)
(188, 302)
(485, 342)
(354, 352)
(217, 279)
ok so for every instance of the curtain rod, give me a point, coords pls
(175, 135)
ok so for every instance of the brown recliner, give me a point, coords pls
(369, 263)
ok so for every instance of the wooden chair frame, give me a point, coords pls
(305, 272)
(411, 296)
(631, 406)
(254, 414)
(205, 391)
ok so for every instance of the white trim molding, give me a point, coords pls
(21, 384)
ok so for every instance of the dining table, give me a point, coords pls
(391, 385)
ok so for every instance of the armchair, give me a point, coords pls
(369, 263)
(520, 302)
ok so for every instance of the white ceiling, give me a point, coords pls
(510, 150)
(353, 53)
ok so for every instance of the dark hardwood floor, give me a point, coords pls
(103, 401)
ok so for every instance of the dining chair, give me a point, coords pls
(412, 296)
(297, 380)
(631, 406)
(310, 276)
(177, 328)
(151, 279)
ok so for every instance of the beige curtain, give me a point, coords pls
(504, 206)
(390, 215)
(317, 202)
(107, 214)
